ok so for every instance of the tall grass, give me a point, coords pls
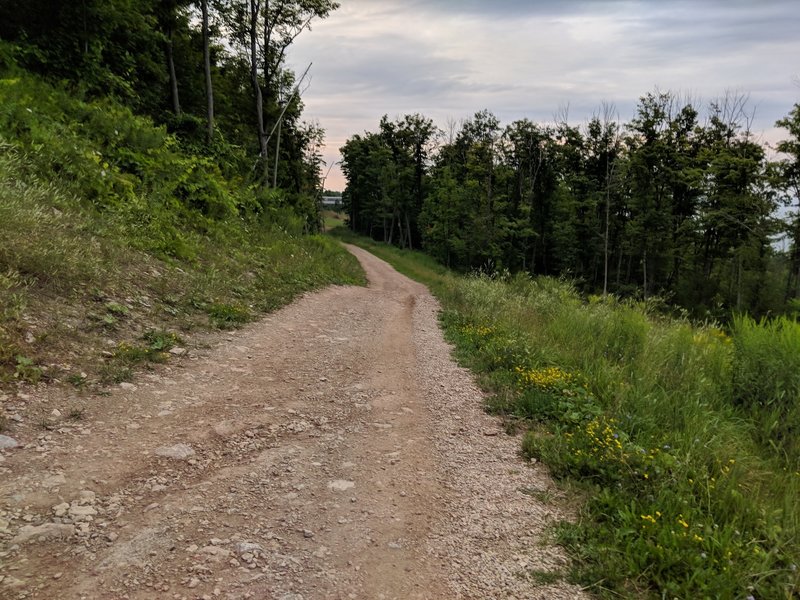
(686, 496)
(766, 381)
(40, 240)
(679, 437)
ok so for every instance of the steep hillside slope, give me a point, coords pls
(116, 241)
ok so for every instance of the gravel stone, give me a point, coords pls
(176, 452)
(341, 485)
(7, 442)
(47, 531)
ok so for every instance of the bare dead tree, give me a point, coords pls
(296, 93)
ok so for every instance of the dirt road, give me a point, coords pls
(332, 450)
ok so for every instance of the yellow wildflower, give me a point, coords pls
(649, 518)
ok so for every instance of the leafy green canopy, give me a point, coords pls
(669, 204)
(149, 56)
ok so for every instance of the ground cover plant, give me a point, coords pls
(111, 229)
(679, 437)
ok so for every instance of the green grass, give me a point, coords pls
(681, 438)
(332, 219)
(110, 229)
(416, 265)
(766, 381)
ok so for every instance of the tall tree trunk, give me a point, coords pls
(447, 241)
(173, 79)
(257, 95)
(268, 76)
(797, 283)
(789, 281)
(391, 231)
(605, 240)
(739, 282)
(267, 42)
(207, 65)
(644, 269)
(277, 156)
(85, 29)
(630, 268)
(401, 234)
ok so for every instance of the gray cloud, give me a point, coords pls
(510, 9)
(525, 58)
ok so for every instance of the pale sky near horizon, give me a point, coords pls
(447, 59)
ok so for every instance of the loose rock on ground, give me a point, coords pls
(332, 450)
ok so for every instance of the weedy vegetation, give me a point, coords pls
(111, 229)
(681, 438)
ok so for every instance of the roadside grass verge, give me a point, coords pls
(77, 283)
(680, 438)
(332, 219)
(416, 265)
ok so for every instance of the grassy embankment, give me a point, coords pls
(116, 241)
(332, 219)
(680, 440)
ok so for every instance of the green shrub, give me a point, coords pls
(159, 342)
(27, 370)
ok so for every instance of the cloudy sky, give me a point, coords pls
(448, 59)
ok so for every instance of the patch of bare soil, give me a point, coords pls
(332, 450)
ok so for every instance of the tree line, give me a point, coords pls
(674, 203)
(212, 71)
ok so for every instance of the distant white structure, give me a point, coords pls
(333, 201)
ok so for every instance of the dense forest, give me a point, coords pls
(212, 72)
(686, 206)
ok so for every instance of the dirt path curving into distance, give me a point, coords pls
(332, 450)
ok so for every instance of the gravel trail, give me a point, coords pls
(331, 450)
